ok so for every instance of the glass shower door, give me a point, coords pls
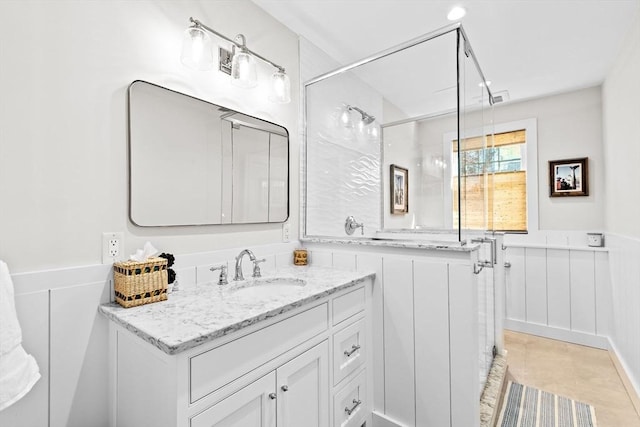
(475, 154)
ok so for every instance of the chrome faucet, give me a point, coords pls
(252, 257)
(351, 225)
(223, 274)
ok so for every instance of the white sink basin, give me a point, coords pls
(269, 286)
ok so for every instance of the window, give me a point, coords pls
(494, 182)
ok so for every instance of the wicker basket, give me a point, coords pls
(138, 283)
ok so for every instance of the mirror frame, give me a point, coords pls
(129, 165)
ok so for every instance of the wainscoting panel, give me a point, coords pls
(516, 305)
(463, 327)
(33, 315)
(373, 262)
(583, 292)
(344, 261)
(625, 281)
(536, 289)
(604, 296)
(431, 308)
(426, 361)
(558, 289)
(399, 339)
(79, 345)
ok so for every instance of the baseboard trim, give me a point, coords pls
(574, 337)
(633, 390)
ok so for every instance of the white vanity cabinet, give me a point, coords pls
(305, 367)
(293, 395)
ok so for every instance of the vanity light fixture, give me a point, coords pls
(197, 53)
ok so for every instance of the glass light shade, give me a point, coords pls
(243, 70)
(345, 117)
(197, 49)
(373, 130)
(280, 88)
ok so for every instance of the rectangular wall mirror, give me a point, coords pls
(196, 163)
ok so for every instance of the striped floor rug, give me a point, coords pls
(525, 406)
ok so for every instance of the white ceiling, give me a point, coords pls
(530, 48)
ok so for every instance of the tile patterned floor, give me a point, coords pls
(581, 373)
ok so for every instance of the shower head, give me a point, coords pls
(367, 118)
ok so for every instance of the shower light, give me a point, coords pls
(197, 53)
(456, 12)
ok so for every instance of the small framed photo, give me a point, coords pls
(569, 177)
(399, 178)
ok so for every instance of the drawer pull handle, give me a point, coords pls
(356, 403)
(354, 348)
(272, 396)
(285, 388)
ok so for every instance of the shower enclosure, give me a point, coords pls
(399, 141)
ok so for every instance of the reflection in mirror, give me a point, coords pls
(196, 163)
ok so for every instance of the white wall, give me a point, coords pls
(621, 99)
(621, 105)
(65, 67)
(63, 120)
(569, 125)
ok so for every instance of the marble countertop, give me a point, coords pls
(202, 313)
(396, 243)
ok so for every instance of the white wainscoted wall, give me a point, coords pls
(62, 329)
(426, 370)
(624, 258)
(561, 292)
(558, 287)
(621, 109)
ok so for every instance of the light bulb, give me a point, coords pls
(345, 117)
(243, 70)
(456, 13)
(280, 88)
(197, 49)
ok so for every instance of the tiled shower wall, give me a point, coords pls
(342, 164)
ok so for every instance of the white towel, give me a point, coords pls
(18, 370)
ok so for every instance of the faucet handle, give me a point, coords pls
(223, 274)
(256, 267)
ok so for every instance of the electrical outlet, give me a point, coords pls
(112, 247)
(286, 228)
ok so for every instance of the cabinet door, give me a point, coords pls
(251, 406)
(303, 389)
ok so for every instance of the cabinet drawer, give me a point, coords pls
(349, 350)
(350, 406)
(217, 367)
(347, 305)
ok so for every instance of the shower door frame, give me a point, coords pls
(461, 36)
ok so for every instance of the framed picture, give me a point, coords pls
(569, 177)
(399, 178)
